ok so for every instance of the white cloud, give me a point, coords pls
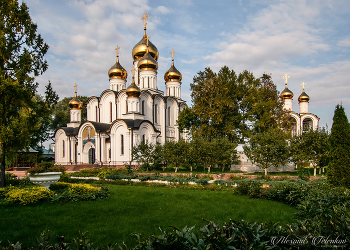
(162, 9)
(344, 43)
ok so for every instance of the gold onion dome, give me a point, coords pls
(172, 74)
(286, 94)
(117, 71)
(147, 62)
(140, 49)
(303, 97)
(133, 90)
(75, 103)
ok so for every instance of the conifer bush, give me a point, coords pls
(339, 164)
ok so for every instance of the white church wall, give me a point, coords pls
(92, 110)
(146, 101)
(107, 101)
(159, 121)
(62, 147)
(121, 105)
(120, 143)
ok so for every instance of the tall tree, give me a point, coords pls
(339, 164)
(221, 104)
(22, 53)
(44, 107)
(268, 110)
(268, 149)
(310, 147)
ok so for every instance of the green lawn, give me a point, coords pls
(135, 209)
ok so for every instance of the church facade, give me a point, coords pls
(121, 117)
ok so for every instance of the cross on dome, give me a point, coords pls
(75, 88)
(285, 77)
(117, 49)
(147, 39)
(133, 72)
(144, 18)
(172, 54)
(303, 84)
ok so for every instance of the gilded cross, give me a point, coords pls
(144, 18)
(75, 87)
(133, 72)
(172, 54)
(147, 39)
(117, 49)
(303, 84)
(285, 77)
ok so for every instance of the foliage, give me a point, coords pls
(310, 147)
(45, 167)
(61, 112)
(144, 153)
(232, 106)
(22, 53)
(25, 196)
(339, 163)
(269, 148)
(75, 192)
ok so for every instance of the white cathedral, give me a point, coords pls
(123, 117)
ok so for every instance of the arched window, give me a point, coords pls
(143, 107)
(169, 116)
(122, 144)
(96, 114)
(143, 138)
(110, 111)
(156, 113)
(109, 153)
(63, 149)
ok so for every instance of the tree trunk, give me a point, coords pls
(2, 166)
(208, 169)
(265, 171)
(319, 171)
(175, 169)
(315, 170)
(191, 168)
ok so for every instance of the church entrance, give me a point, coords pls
(91, 156)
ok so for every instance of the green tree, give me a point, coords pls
(144, 154)
(339, 164)
(44, 107)
(268, 109)
(310, 147)
(22, 53)
(268, 149)
(61, 112)
(233, 106)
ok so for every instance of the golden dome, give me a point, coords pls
(303, 97)
(140, 49)
(147, 62)
(286, 94)
(75, 103)
(133, 90)
(117, 71)
(172, 75)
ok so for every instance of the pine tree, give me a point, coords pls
(339, 165)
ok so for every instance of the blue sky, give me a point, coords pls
(308, 40)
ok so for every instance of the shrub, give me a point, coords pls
(25, 196)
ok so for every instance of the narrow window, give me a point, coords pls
(110, 111)
(143, 138)
(122, 144)
(109, 153)
(156, 113)
(96, 113)
(169, 116)
(126, 103)
(143, 107)
(63, 149)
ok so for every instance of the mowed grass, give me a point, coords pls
(135, 209)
